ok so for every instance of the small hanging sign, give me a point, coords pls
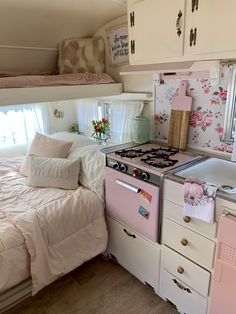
(118, 44)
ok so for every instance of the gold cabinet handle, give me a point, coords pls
(180, 270)
(184, 242)
(186, 219)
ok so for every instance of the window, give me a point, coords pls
(118, 112)
(230, 110)
(104, 110)
(19, 124)
(91, 109)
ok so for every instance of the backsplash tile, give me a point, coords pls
(208, 109)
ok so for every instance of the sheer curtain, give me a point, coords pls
(87, 110)
(122, 113)
(20, 122)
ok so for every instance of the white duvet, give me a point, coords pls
(61, 229)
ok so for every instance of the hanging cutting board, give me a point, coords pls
(179, 118)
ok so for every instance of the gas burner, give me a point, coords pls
(162, 152)
(159, 162)
(130, 153)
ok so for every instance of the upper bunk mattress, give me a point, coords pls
(55, 80)
(45, 232)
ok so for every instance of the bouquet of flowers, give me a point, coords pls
(101, 128)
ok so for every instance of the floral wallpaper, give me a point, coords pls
(208, 108)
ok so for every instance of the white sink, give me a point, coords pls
(220, 172)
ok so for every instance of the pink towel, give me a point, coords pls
(199, 199)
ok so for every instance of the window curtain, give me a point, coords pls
(122, 113)
(87, 110)
(20, 122)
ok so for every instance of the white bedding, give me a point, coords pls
(45, 232)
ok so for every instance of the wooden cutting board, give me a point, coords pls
(179, 118)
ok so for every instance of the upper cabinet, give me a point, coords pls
(209, 28)
(163, 31)
(156, 30)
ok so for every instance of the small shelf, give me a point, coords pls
(130, 96)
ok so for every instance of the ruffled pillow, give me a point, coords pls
(53, 172)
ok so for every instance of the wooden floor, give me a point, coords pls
(97, 287)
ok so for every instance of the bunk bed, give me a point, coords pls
(47, 232)
(43, 88)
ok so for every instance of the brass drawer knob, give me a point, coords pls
(180, 270)
(184, 242)
(186, 219)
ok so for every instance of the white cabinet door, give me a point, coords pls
(137, 255)
(214, 23)
(153, 30)
(184, 298)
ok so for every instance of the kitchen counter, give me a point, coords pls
(220, 194)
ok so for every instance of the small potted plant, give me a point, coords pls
(74, 128)
(100, 130)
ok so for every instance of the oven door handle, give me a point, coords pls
(128, 186)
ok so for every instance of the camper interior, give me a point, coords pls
(117, 157)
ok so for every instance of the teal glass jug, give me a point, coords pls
(140, 129)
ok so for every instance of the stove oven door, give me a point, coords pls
(133, 202)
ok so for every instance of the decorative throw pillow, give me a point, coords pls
(45, 146)
(53, 172)
(79, 55)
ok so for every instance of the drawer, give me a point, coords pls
(185, 270)
(139, 256)
(190, 244)
(174, 192)
(173, 211)
(185, 299)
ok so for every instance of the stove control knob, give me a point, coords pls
(123, 168)
(136, 173)
(145, 176)
(116, 166)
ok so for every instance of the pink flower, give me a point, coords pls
(223, 95)
(206, 89)
(193, 123)
(215, 101)
(157, 117)
(208, 121)
(197, 116)
(219, 129)
(193, 192)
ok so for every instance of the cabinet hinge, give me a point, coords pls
(132, 19)
(132, 46)
(195, 5)
(193, 37)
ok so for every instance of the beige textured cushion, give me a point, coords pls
(53, 172)
(44, 146)
(79, 55)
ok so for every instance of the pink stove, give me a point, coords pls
(133, 182)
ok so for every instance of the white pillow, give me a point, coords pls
(45, 146)
(92, 168)
(77, 139)
(53, 172)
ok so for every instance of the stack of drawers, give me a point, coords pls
(188, 248)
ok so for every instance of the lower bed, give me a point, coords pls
(45, 232)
